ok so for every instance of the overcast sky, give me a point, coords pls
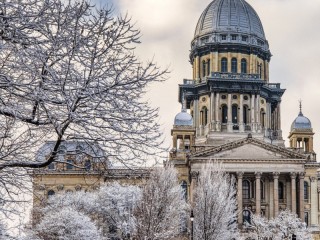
(292, 28)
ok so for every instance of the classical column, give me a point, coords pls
(196, 112)
(229, 124)
(212, 111)
(241, 124)
(279, 116)
(216, 65)
(314, 201)
(276, 193)
(194, 177)
(258, 112)
(258, 193)
(174, 139)
(252, 109)
(301, 195)
(217, 110)
(293, 176)
(239, 197)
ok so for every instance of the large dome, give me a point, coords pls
(231, 18)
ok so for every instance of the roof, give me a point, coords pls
(231, 17)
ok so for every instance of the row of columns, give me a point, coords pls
(272, 119)
(275, 194)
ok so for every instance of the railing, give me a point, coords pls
(240, 76)
(247, 128)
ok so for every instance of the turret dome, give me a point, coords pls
(183, 119)
(301, 122)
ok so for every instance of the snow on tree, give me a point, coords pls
(215, 205)
(66, 224)
(68, 72)
(161, 212)
(111, 207)
(284, 226)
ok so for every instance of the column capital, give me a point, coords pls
(258, 174)
(302, 175)
(240, 174)
(293, 175)
(313, 179)
(194, 174)
(276, 175)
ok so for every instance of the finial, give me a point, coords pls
(183, 107)
(300, 106)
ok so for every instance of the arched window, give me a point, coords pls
(208, 68)
(204, 68)
(246, 189)
(306, 190)
(243, 65)
(224, 65)
(234, 65)
(87, 165)
(260, 70)
(234, 114)
(281, 190)
(51, 193)
(69, 165)
(184, 187)
(224, 114)
(51, 166)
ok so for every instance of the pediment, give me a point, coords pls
(248, 148)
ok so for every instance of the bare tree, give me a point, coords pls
(68, 71)
(160, 214)
(215, 205)
(284, 226)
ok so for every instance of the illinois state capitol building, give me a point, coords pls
(231, 113)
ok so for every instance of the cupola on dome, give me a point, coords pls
(234, 20)
(183, 119)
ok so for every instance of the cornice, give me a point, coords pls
(238, 143)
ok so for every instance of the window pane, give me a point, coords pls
(234, 65)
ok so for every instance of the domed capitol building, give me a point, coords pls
(231, 113)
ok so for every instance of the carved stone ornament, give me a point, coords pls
(194, 174)
(276, 175)
(313, 179)
(41, 187)
(60, 187)
(293, 175)
(240, 174)
(258, 174)
(78, 187)
(302, 175)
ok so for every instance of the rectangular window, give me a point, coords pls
(69, 165)
(234, 37)
(223, 37)
(244, 38)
